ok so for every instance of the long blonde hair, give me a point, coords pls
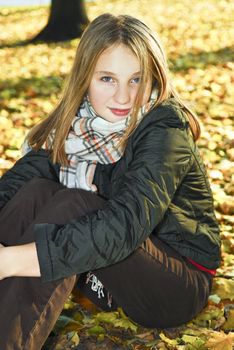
(105, 31)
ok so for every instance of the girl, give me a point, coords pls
(111, 192)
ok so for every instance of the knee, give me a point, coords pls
(78, 200)
(72, 196)
(65, 194)
(38, 184)
(37, 188)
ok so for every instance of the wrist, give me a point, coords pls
(27, 261)
(8, 263)
(19, 261)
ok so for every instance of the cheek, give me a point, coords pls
(98, 94)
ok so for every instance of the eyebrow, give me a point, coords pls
(112, 73)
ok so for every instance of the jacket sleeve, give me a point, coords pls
(143, 193)
(33, 164)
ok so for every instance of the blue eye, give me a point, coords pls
(106, 79)
(135, 80)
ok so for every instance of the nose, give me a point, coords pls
(122, 94)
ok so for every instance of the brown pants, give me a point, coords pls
(155, 286)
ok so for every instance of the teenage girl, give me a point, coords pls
(111, 196)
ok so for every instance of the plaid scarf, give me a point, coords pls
(93, 140)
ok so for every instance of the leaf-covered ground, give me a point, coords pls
(198, 37)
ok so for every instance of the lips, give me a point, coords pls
(120, 112)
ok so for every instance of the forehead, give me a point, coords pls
(118, 59)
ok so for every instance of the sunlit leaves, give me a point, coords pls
(221, 341)
(224, 288)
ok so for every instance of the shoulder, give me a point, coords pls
(34, 163)
(168, 115)
(35, 156)
(162, 134)
(167, 118)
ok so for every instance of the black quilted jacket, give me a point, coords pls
(158, 187)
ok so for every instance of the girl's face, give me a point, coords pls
(115, 83)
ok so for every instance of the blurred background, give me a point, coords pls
(24, 2)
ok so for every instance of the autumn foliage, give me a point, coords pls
(198, 37)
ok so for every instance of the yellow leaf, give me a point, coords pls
(221, 341)
(74, 338)
(224, 288)
(167, 340)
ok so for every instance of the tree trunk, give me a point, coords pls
(67, 20)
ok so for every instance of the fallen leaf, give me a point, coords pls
(229, 324)
(224, 288)
(221, 341)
